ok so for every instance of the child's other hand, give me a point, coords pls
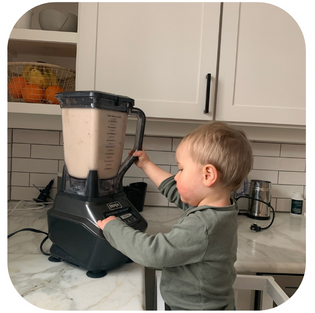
(155, 173)
(143, 158)
(101, 224)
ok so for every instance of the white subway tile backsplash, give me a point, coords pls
(9, 165)
(176, 142)
(150, 143)
(28, 193)
(162, 158)
(157, 144)
(242, 204)
(283, 205)
(271, 176)
(134, 171)
(37, 157)
(47, 152)
(129, 180)
(10, 130)
(174, 170)
(129, 142)
(293, 151)
(158, 157)
(8, 193)
(42, 180)
(20, 179)
(155, 199)
(23, 193)
(292, 178)
(265, 149)
(61, 164)
(61, 138)
(282, 164)
(34, 165)
(21, 150)
(151, 186)
(9, 150)
(35, 136)
(285, 191)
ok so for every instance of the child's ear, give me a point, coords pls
(210, 175)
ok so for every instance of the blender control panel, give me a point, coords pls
(128, 218)
(125, 215)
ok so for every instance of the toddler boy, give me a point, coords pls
(197, 256)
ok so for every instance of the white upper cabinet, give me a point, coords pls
(86, 47)
(159, 54)
(262, 66)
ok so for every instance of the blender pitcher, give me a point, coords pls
(94, 129)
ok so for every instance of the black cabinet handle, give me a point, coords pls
(208, 77)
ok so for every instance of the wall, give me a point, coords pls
(36, 156)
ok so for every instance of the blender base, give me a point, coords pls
(77, 240)
(54, 260)
(97, 274)
(68, 259)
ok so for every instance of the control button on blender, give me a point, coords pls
(126, 216)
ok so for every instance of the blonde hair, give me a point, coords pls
(226, 148)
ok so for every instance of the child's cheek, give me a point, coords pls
(180, 188)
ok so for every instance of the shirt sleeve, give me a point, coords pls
(186, 243)
(169, 190)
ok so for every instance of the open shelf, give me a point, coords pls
(34, 108)
(43, 35)
(40, 42)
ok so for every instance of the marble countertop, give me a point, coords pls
(60, 286)
(278, 249)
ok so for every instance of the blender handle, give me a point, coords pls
(140, 127)
(138, 142)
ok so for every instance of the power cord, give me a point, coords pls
(254, 226)
(35, 231)
(28, 206)
(41, 201)
(33, 206)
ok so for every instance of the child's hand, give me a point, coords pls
(155, 173)
(101, 224)
(142, 160)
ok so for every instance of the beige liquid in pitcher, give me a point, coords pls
(93, 140)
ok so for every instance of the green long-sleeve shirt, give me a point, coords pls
(196, 257)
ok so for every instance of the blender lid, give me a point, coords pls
(94, 99)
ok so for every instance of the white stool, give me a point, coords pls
(271, 291)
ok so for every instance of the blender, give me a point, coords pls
(94, 128)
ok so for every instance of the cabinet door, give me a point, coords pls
(262, 66)
(159, 54)
(86, 46)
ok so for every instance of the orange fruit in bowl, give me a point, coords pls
(50, 94)
(32, 93)
(16, 85)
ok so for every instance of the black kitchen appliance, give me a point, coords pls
(94, 127)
